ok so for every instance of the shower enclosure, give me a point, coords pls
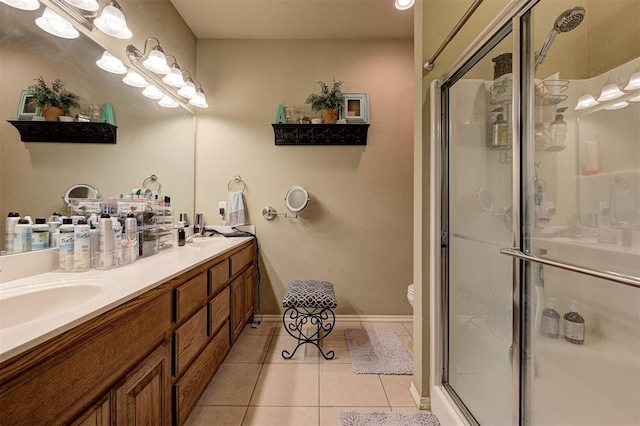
(538, 218)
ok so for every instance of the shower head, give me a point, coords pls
(567, 21)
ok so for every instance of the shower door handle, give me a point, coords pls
(628, 280)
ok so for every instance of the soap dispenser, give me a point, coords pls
(551, 320)
(574, 325)
(558, 131)
(499, 131)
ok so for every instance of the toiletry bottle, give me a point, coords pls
(551, 320)
(574, 325)
(181, 234)
(40, 234)
(94, 243)
(131, 235)
(591, 158)
(499, 132)
(9, 228)
(22, 236)
(558, 131)
(105, 242)
(82, 246)
(55, 220)
(66, 245)
(117, 241)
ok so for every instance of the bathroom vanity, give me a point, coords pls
(144, 353)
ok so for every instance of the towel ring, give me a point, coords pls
(152, 179)
(236, 179)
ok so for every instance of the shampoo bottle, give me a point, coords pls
(66, 245)
(574, 325)
(9, 228)
(558, 131)
(551, 320)
(40, 234)
(82, 246)
(22, 236)
(499, 132)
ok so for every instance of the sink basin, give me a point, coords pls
(38, 301)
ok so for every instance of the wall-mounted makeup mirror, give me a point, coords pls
(297, 200)
(80, 190)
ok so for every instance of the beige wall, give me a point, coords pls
(357, 231)
(151, 139)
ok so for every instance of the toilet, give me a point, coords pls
(410, 294)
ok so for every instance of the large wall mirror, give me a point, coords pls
(151, 140)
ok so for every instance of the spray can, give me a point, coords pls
(40, 234)
(9, 228)
(82, 246)
(105, 242)
(55, 220)
(117, 241)
(22, 236)
(131, 235)
(66, 245)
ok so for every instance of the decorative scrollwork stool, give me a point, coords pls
(309, 302)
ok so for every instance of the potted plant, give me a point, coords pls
(327, 101)
(55, 100)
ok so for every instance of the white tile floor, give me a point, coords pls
(256, 386)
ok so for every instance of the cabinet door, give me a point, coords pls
(143, 398)
(249, 277)
(237, 307)
(99, 415)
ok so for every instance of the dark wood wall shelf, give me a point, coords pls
(320, 134)
(66, 132)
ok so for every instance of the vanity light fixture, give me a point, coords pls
(403, 4)
(174, 76)
(23, 4)
(610, 91)
(167, 102)
(134, 79)
(634, 81)
(88, 5)
(586, 101)
(199, 100)
(55, 24)
(112, 21)
(110, 63)
(617, 105)
(152, 92)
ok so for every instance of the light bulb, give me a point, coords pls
(403, 4)
(189, 90)
(199, 100)
(167, 102)
(110, 63)
(174, 77)
(55, 24)
(134, 79)
(586, 101)
(23, 4)
(152, 92)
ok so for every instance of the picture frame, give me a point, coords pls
(27, 109)
(356, 108)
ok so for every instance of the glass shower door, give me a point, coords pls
(477, 224)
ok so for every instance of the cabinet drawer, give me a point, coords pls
(219, 310)
(190, 296)
(190, 387)
(218, 276)
(189, 339)
(241, 259)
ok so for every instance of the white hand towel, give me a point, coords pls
(237, 214)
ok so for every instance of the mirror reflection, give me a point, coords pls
(151, 140)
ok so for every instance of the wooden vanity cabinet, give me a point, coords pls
(145, 362)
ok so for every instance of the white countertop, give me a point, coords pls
(116, 286)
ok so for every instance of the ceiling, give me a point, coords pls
(296, 19)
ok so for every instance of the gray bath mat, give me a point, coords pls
(357, 418)
(377, 351)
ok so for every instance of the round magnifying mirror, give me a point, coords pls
(297, 199)
(80, 190)
(484, 199)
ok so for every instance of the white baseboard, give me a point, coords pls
(351, 318)
(422, 402)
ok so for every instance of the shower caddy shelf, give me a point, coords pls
(320, 134)
(73, 132)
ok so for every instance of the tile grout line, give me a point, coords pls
(246, 408)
